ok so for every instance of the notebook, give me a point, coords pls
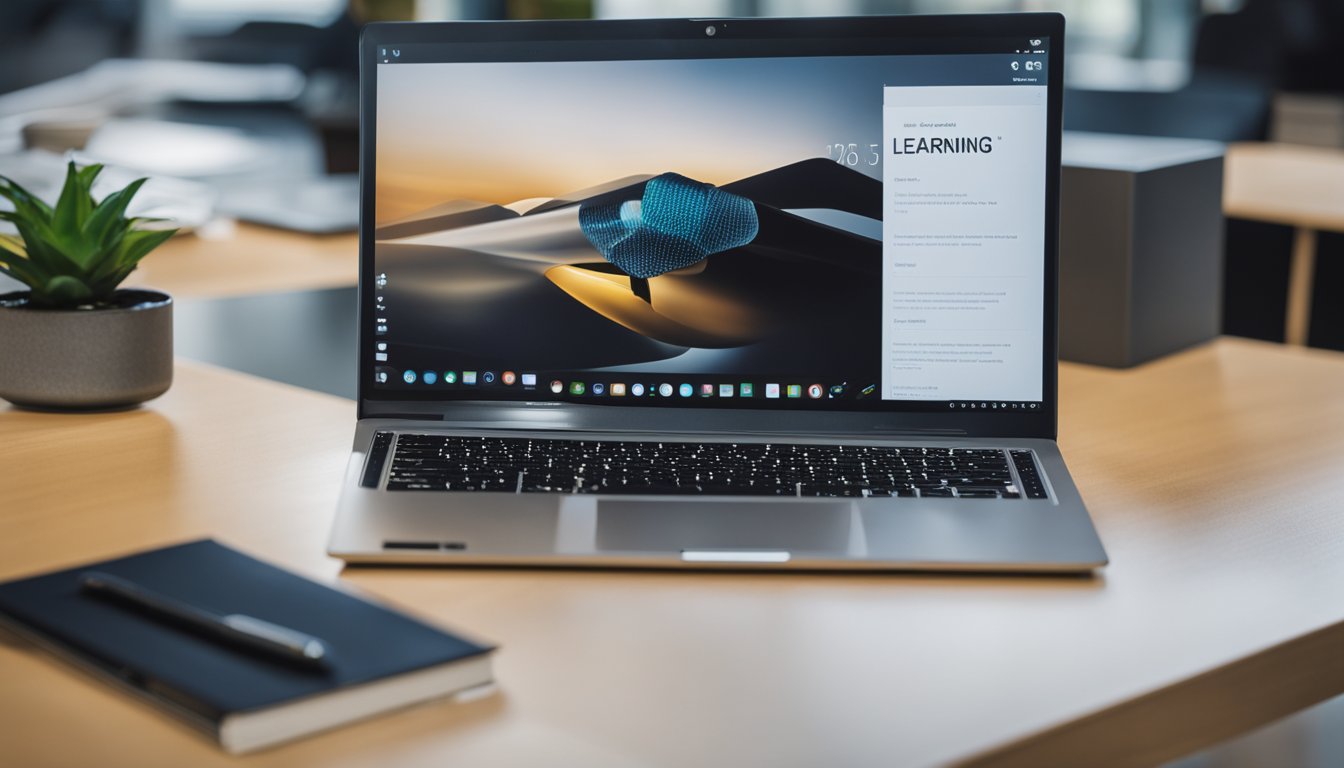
(375, 659)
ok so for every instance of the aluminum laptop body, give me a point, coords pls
(680, 249)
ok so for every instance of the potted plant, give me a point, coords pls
(73, 340)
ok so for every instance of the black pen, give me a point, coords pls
(234, 629)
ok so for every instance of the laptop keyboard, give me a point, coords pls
(422, 462)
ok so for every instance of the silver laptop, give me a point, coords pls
(724, 293)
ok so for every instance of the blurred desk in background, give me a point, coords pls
(1302, 187)
(305, 338)
(271, 303)
(237, 259)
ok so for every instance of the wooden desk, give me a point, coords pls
(1213, 477)
(1302, 187)
(235, 259)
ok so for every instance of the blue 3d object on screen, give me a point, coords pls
(676, 223)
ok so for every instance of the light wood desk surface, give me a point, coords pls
(235, 258)
(1285, 184)
(1214, 478)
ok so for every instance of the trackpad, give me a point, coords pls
(662, 526)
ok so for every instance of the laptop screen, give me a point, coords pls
(670, 226)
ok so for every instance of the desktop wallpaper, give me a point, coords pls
(709, 217)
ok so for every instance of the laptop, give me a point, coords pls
(712, 293)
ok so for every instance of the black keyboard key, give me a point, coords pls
(373, 465)
(1032, 487)
(535, 465)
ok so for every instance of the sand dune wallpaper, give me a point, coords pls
(650, 216)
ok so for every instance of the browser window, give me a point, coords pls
(964, 197)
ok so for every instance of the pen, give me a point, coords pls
(235, 629)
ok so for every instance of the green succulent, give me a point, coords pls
(77, 253)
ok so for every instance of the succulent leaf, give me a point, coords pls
(13, 245)
(75, 202)
(23, 270)
(78, 252)
(14, 261)
(109, 283)
(67, 291)
(137, 244)
(108, 217)
(25, 203)
(42, 250)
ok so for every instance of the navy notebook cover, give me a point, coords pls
(365, 642)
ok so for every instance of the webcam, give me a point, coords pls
(711, 31)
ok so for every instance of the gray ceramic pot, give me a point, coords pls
(75, 359)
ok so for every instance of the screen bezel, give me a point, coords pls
(514, 39)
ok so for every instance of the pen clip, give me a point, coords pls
(306, 645)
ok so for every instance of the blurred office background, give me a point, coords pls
(1115, 44)
(261, 125)
(280, 77)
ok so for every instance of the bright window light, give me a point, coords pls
(234, 12)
